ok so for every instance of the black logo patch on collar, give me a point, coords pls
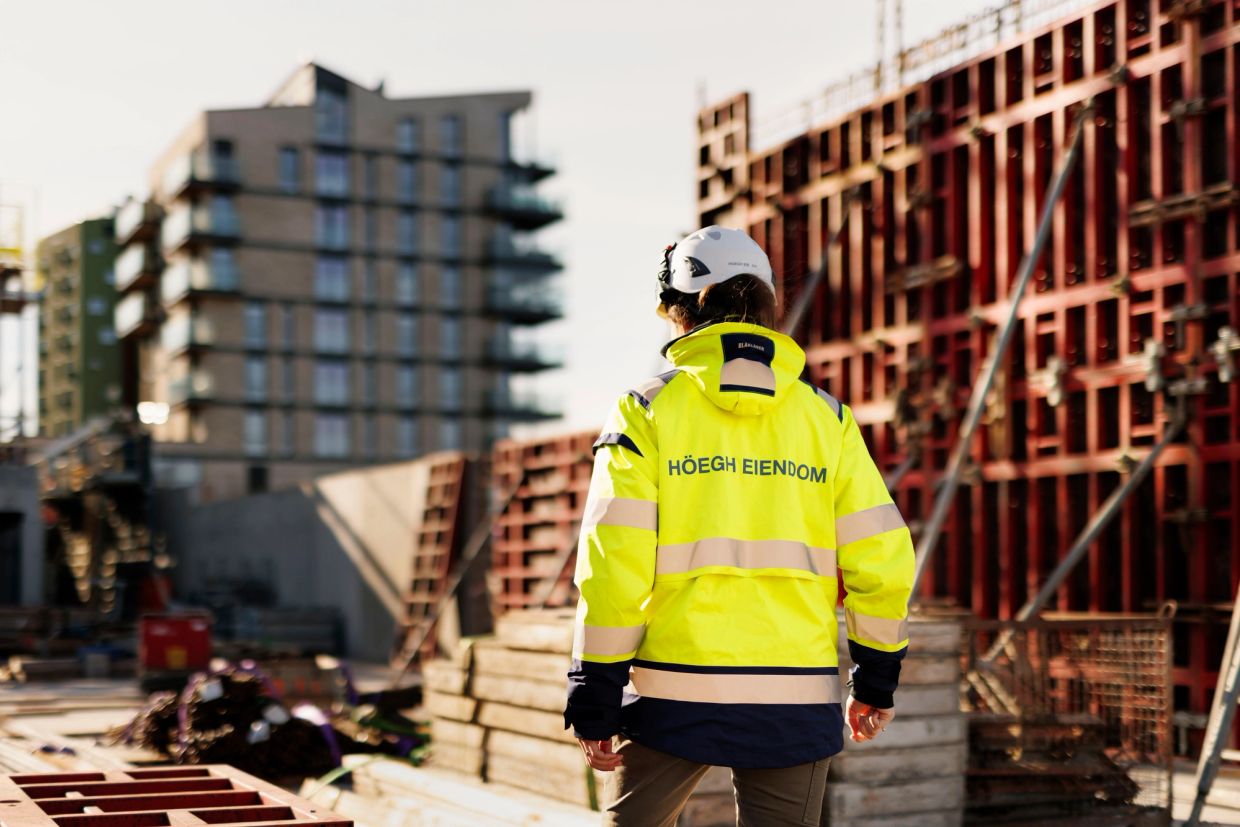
(748, 346)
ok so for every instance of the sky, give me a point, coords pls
(95, 91)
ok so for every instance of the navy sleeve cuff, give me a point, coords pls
(594, 694)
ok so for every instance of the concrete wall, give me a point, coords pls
(19, 493)
(344, 540)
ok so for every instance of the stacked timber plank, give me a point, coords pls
(497, 707)
(913, 775)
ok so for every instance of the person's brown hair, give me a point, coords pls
(743, 298)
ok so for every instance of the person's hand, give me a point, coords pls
(865, 721)
(599, 754)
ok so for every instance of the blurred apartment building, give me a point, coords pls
(79, 367)
(330, 279)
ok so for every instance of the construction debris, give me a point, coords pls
(236, 715)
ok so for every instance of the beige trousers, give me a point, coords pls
(651, 789)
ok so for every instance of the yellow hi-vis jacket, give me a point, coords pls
(728, 496)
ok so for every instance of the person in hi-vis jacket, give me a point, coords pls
(728, 496)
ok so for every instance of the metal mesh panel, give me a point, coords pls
(1071, 717)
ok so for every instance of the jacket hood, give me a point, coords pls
(745, 369)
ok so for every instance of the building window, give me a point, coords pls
(224, 269)
(331, 226)
(370, 280)
(370, 437)
(331, 173)
(290, 169)
(331, 383)
(406, 182)
(331, 279)
(450, 336)
(223, 215)
(450, 184)
(406, 436)
(290, 379)
(406, 284)
(255, 436)
(406, 386)
(450, 136)
(331, 116)
(331, 330)
(450, 235)
(331, 435)
(372, 229)
(407, 334)
(370, 332)
(407, 135)
(290, 326)
(449, 287)
(370, 176)
(449, 435)
(505, 136)
(255, 324)
(407, 231)
(370, 384)
(256, 378)
(288, 434)
(449, 388)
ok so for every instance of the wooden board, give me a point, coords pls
(439, 705)
(535, 751)
(458, 758)
(543, 695)
(444, 676)
(540, 724)
(572, 786)
(883, 766)
(446, 731)
(493, 658)
(547, 630)
(927, 699)
(849, 801)
(928, 731)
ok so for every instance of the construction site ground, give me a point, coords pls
(55, 726)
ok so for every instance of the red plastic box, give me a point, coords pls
(174, 642)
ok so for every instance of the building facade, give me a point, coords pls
(332, 279)
(935, 191)
(79, 364)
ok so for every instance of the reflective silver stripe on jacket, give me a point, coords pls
(744, 554)
(870, 522)
(620, 511)
(648, 390)
(607, 641)
(836, 407)
(883, 630)
(714, 688)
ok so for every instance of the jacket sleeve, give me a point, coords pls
(875, 553)
(615, 569)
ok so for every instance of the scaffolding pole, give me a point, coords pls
(1222, 713)
(977, 402)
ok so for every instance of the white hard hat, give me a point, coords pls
(711, 255)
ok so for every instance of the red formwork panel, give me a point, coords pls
(534, 542)
(941, 184)
(159, 797)
(436, 549)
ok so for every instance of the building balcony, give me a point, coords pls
(524, 257)
(197, 276)
(136, 268)
(197, 171)
(197, 386)
(504, 353)
(136, 221)
(523, 406)
(522, 207)
(185, 332)
(64, 399)
(524, 306)
(532, 169)
(65, 341)
(194, 224)
(136, 315)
